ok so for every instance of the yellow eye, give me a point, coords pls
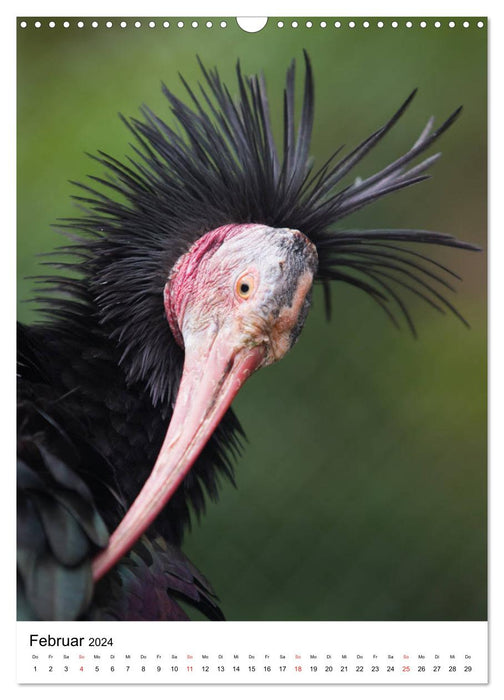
(245, 286)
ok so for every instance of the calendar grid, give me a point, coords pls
(248, 652)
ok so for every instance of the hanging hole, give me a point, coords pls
(252, 24)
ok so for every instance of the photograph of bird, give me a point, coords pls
(190, 267)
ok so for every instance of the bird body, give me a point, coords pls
(191, 268)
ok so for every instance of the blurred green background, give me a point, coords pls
(362, 492)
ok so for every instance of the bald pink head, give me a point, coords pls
(253, 278)
(236, 301)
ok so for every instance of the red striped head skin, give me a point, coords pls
(236, 301)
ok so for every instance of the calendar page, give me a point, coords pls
(203, 199)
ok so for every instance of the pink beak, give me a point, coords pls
(211, 379)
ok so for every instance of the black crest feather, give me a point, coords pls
(220, 164)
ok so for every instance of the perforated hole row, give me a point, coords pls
(280, 24)
(380, 24)
(123, 24)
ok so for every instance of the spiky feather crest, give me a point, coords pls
(220, 165)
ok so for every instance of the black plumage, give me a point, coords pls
(98, 379)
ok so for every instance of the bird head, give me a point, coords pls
(235, 302)
(248, 285)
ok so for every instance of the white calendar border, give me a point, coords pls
(275, 8)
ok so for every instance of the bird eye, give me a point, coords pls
(244, 286)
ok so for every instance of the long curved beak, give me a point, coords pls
(211, 378)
